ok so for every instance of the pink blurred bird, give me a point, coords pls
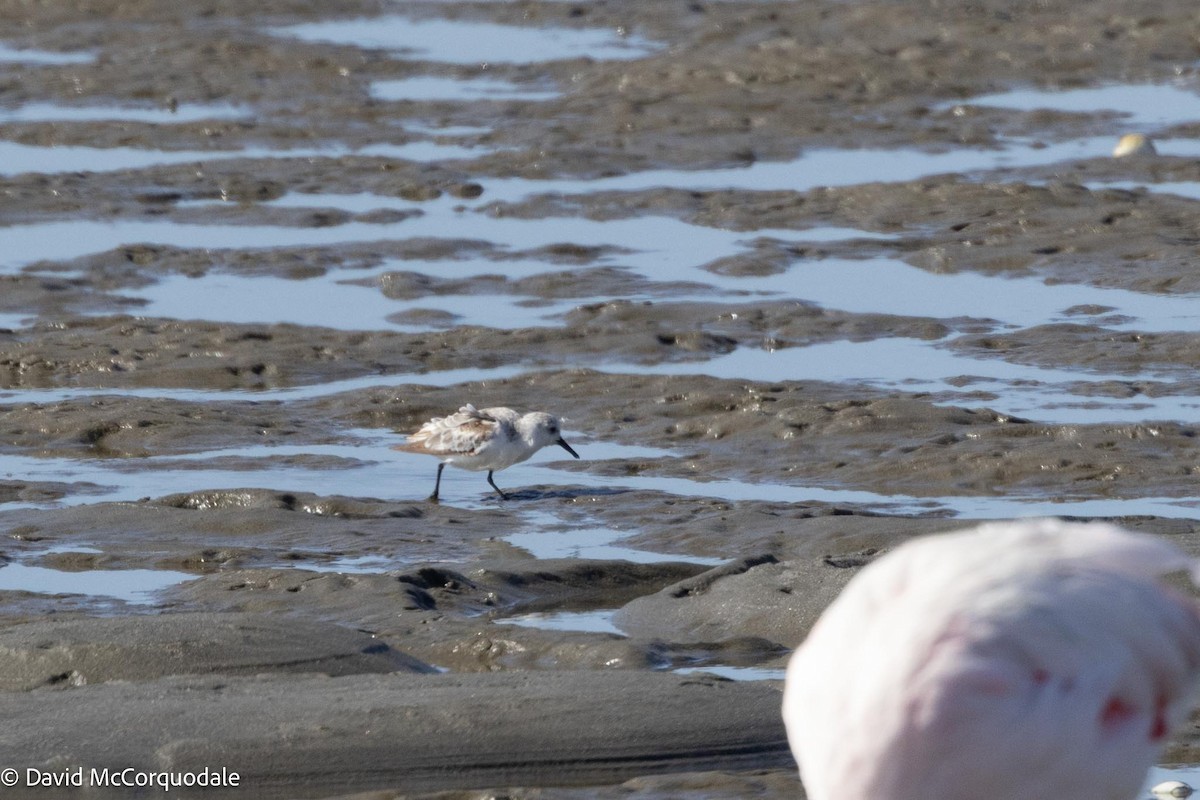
(1017, 661)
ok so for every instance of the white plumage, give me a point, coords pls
(1017, 661)
(490, 439)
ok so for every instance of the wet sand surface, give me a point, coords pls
(805, 279)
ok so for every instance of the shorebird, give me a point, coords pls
(1019, 661)
(491, 439)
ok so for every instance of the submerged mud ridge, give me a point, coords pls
(655, 249)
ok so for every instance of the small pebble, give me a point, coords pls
(1134, 144)
(1172, 789)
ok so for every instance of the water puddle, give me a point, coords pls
(322, 562)
(460, 90)
(60, 241)
(889, 286)
(1144, 106)
(1188, 189)
(282, 394)
(890, 363)
(659, 248)
(590, 543)
(186, 112)
(358, 203)
(325, 303)
(13, 55)
(913, 365)
(1183, 148)
(14, 321)
(433, 129)
(413, 151)
(466, 42)
(16, 158)
(736, 673)
(136, 586)
(360, 565)
(1011, 506)
(875, 285)
(824, 167)
(586, 621)
(132, 480)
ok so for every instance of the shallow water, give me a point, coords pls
(966, 508)
(644, 238)
(916, 365)
(467, 42)
(827, 167)
(184, 112)
(587, 621)
(464, 90)
(1142, 106)
(305, 392)
(887, 285)
(135, 586)
(14, 55)
(546, 537)
(1188, 189)
(434, 129)
(325, 303)
(17, 158)
(736, 673)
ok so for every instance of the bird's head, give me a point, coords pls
(546, 429)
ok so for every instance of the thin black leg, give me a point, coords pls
(503, 496)
(438, 484)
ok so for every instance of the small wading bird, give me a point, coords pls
(491, 439)
(1018, 661)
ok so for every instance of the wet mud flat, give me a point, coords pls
(803, 285)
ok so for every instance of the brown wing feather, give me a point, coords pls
(459, 433)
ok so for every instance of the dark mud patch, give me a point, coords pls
(127, 352)
(40, 492)
(112, 426)
(1131, 352)
(231, 529)
(415, 595)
